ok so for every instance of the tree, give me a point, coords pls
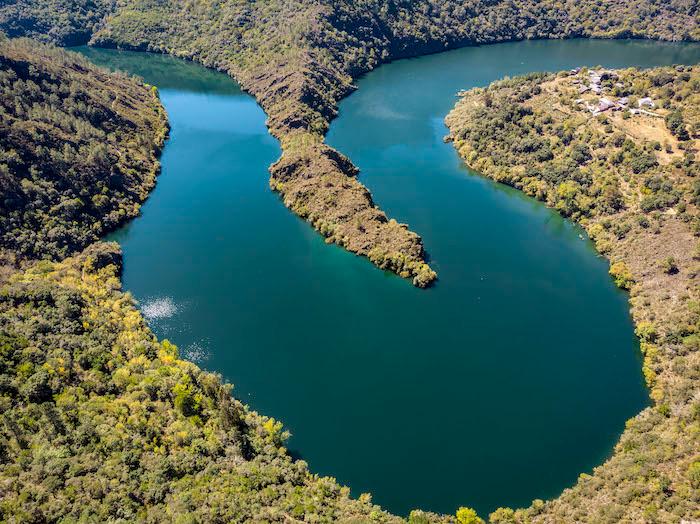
(676, 124)
(621, 275)
(468, 516)
(502, 516)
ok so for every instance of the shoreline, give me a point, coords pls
(628, 257)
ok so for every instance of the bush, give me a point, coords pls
(621, 275)
(669, 266)
(694, 474)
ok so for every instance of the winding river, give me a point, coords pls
(501, 384)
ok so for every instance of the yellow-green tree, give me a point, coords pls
(468, 516)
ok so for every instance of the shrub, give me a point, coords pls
(669, 266)
(694, 474)
(621, 275)
(646, 332)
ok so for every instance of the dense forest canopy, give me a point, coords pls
(64, 22)
(78, 149)
(617, 152)
(101, 422)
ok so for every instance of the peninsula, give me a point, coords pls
(615, 150)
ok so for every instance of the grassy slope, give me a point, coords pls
(78, 149)
(631, 181)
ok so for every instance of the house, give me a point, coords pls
(622, 103)
(646, 102)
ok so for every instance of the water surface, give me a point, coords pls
(512, 375)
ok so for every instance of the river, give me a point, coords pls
(501, 384)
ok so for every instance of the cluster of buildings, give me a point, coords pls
(594, 86)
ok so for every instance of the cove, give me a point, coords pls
(501, 384)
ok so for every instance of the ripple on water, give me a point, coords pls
(197, 352)
(159, 308)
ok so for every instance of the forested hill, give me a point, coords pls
(100, 422)
(64, 22)
(299, 57)
(617, 151)
(78, 149)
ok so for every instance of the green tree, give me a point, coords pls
(468, 516)
(676, 124)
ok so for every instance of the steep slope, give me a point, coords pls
(102, 422)
(78, 149)
(63, 22)
(623, 163)
(298, 59)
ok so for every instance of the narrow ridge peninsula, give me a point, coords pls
(299, 59)
(616, 151)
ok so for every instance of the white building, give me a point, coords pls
(646, 102)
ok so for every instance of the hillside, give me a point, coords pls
(298, 59)
(103, 422)
(78, 150)
(63, 22)
(617, 152)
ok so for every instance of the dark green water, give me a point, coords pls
(501, 384)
